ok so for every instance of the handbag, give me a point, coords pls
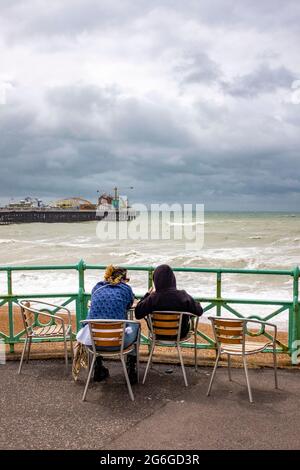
(80, 360)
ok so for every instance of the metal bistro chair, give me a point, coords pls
(168, 323)
(230, 336)
(111, 333)
(56, 327)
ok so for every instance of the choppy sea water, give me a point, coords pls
(231, 240)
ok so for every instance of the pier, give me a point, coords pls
(61, 216)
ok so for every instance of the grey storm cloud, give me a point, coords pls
(197, 68)
(167, 97)
(264, 79)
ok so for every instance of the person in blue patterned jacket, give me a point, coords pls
(110, 300)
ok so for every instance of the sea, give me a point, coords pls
(230, 240)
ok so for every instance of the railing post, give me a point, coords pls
(295, 323)
(80, 301)
(10, 311)
(219, 292)
(150, 278)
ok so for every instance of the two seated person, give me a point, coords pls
(112, 298)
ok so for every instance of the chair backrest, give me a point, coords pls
(28, 316)
(108, 333)
(228, 331)
(166, 323)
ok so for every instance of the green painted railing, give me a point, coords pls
(219, 303)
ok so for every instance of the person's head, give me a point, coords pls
(115, 274)
(164, 277)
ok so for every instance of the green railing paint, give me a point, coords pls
(219, 303)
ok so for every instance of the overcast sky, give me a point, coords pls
(187, 101)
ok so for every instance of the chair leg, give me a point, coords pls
(149, 361)
(22, 356)
(195, 351)
(182, 365)
(66, 354)
(28, 349)
(149, 345)
(71, 346)
(229, 367)
(137, 351)
(127, 378)
(88, 359)
(275, 365)
(89, 377)
(247, 379)
(213, 374)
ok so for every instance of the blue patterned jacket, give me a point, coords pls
(110, 301)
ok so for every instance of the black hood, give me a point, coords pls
(164, 278)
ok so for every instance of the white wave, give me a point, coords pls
(7, 240)
(183, 224)
(64, 244)
(126, 253)
(74, 245)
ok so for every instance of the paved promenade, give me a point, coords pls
(42, 409)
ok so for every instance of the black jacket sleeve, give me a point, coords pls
(144, 307)
(193, 306)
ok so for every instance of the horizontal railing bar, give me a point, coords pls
(244, 301)
(236, 271)
(39, 268)
(7, 297)
(130, 268)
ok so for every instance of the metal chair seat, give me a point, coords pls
(251, 347)
(50, 331)
(173, 342)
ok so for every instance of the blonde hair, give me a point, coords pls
(114, 274)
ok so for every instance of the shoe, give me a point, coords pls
(131, 369)
(100, 372)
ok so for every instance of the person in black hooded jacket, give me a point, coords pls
(167, 297)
